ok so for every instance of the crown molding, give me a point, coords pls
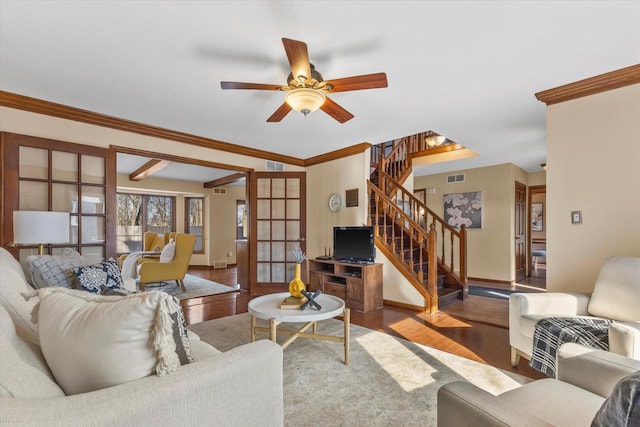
(337, 154)
(34, 105)
(604, 82)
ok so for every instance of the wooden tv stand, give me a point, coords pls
(359, 285)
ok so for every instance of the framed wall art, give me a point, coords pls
(463, 209)
(537, 223)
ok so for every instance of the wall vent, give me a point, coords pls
(455, 178)
(220, 264)
(220, 191)
(275, 166)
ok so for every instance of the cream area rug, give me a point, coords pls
(196, 287)
(389, 381)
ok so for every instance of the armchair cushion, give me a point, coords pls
(91, 342)
(616, 294)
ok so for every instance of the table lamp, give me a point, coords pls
(40, 228)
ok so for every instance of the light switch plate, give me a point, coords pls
(576, 217)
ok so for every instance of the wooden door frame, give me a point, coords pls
(525, 227)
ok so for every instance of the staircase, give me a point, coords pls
(427, 251)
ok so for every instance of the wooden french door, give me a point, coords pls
(42, 174)
(277, 209)
(520, 252)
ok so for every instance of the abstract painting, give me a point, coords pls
(463, 209)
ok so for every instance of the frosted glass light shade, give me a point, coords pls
(37, 227)
(305, 100)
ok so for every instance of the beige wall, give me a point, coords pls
(593, 153)
(222, 217)
(325, 179)
(490, 249)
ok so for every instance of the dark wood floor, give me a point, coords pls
(475, 328)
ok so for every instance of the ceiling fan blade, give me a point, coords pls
(336, 111)
(257, 86)
(279, 114)
(298, 57)
(367, 81)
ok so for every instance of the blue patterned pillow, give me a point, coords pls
(93, 277)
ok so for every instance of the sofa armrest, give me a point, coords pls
(624, 339)
(240, 387)
(594, 370)
(461, 404)
(561, 304)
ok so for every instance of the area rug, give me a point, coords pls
(196, 287)
(389, 381)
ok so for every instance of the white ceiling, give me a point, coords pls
(466, 70)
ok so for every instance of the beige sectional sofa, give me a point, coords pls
(585, 379)
(239, 387)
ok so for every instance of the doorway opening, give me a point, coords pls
(538, 233)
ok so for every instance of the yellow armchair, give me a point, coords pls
(152, 270)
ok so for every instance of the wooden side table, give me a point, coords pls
(267, 307)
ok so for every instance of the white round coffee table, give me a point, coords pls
(267, 307)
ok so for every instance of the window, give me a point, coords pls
(139, 213)
(194, 221)
(241, 222)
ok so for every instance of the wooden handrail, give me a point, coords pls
(423, 216)
(397, 163)
(396, 231)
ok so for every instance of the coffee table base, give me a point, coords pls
(301, 333)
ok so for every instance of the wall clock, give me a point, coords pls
(335, 202)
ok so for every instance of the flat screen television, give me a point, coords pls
(354, 244)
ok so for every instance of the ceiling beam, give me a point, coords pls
(225, 180)
(148, 169)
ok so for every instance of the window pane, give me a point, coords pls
(64, 166)
(195, 220)
(34, 196)
(159, 214)
(64, 197)
(92, 169)
(34, 163)
(129, 228)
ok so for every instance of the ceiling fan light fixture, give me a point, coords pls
(305, 100)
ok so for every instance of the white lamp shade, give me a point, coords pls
(36, 227)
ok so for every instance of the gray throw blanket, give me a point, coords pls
(552, 332)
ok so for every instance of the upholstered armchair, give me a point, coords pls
(616, 296)
(156, 270)
(152, 242)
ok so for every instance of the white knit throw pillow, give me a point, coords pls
(91, 341)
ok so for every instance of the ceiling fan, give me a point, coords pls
(307, 90)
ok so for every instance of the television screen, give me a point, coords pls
(353, 244)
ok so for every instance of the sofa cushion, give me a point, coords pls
(55, 270)
(622, 407)
(12, 284)
(556, 402)
(616, 294)
(23, 371)
(92, 278)
(91, 341)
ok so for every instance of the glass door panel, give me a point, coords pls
(64, 166)
(279, 228)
